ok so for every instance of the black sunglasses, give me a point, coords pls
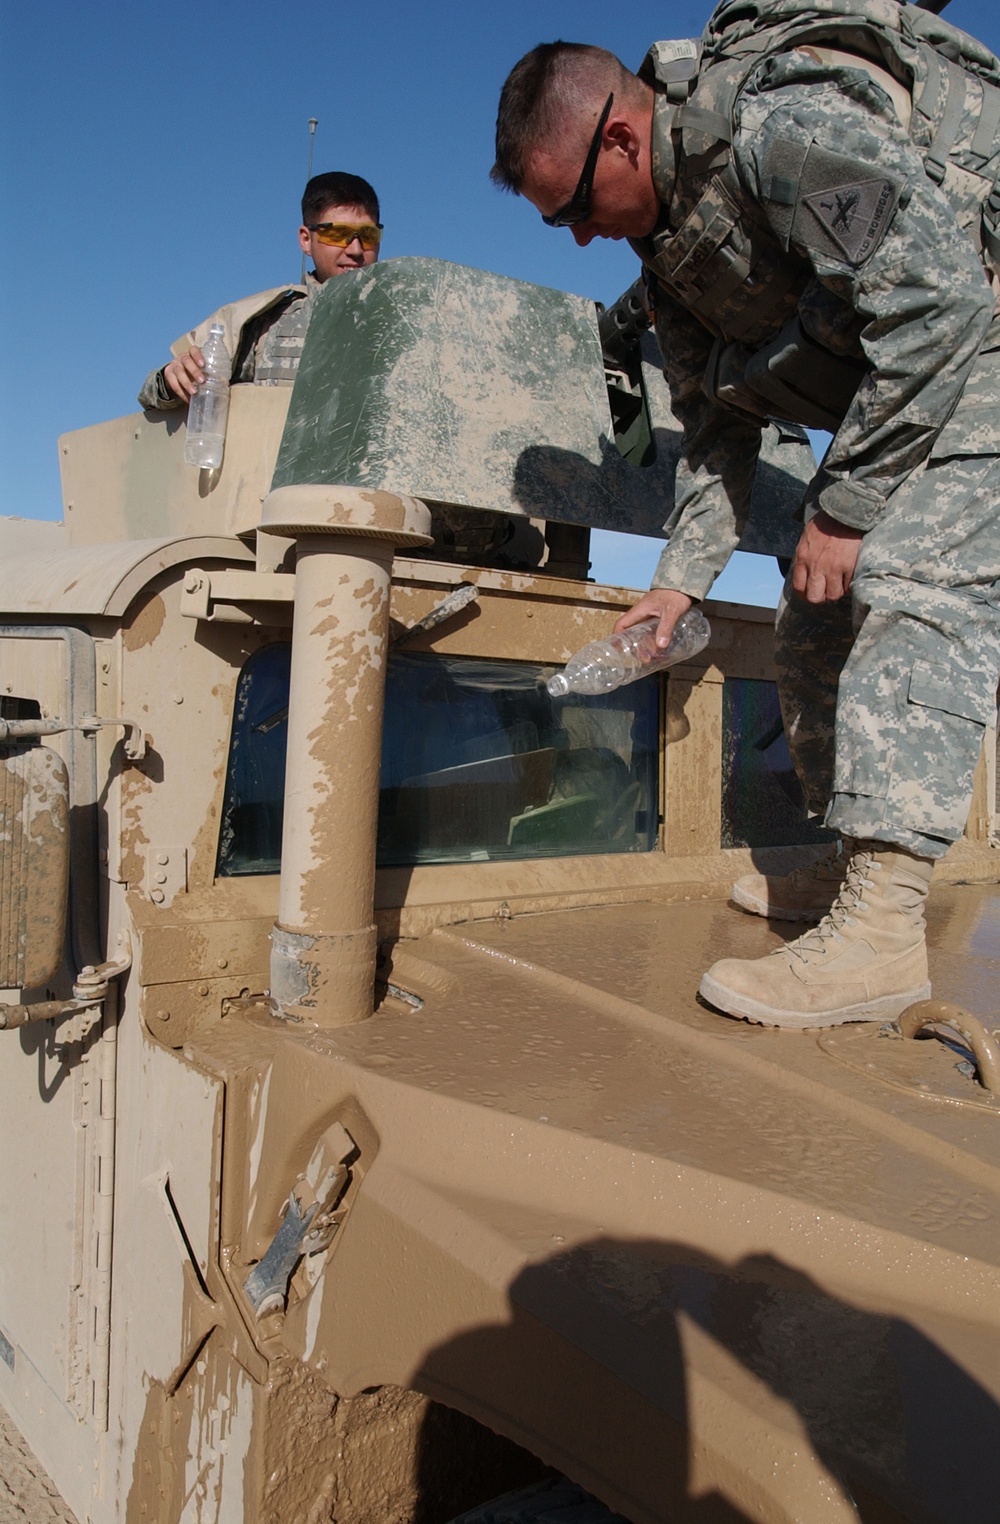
(577, 209)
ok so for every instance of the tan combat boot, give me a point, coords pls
(807, 894)
(865, 961)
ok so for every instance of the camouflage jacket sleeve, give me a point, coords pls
(838, 180)
(154, 392)
(715, 471)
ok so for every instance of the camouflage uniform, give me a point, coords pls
(832, 213)
(266, 332)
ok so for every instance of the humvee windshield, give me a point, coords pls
(478, 762)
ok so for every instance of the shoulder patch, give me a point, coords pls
(854, 215)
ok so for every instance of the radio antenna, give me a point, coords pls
(313, 124)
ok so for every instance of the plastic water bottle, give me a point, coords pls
(608, 664)
(208, 409)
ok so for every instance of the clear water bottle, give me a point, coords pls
(621, 659)
(208, 409)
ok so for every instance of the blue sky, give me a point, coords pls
(153, 157)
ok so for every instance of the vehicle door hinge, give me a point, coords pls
(166, 873)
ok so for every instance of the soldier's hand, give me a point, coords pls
(185, 374)
(825, 558)
(663, 603)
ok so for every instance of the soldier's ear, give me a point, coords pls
(304, 239)
(620, 133)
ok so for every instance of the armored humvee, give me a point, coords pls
(368, 1154)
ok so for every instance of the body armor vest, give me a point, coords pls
(280, 350)
(785, 346)
(270, 340)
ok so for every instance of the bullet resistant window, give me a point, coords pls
(478, 763)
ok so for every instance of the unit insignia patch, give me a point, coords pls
(854, 216)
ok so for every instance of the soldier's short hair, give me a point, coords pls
(548, 87)
(337, 188)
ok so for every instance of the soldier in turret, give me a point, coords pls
(264, 333)
(814, 187)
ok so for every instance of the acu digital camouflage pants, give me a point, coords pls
(886, 694)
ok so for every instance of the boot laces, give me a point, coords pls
(844, 911)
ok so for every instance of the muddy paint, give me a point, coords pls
(390, 1456)
(324, 946)
(189, 1464)
(146, 625)
(34, 865)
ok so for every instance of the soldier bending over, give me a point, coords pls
(815, 190)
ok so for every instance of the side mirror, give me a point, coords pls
(34, 865)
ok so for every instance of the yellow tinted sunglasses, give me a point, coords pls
(342, 234)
